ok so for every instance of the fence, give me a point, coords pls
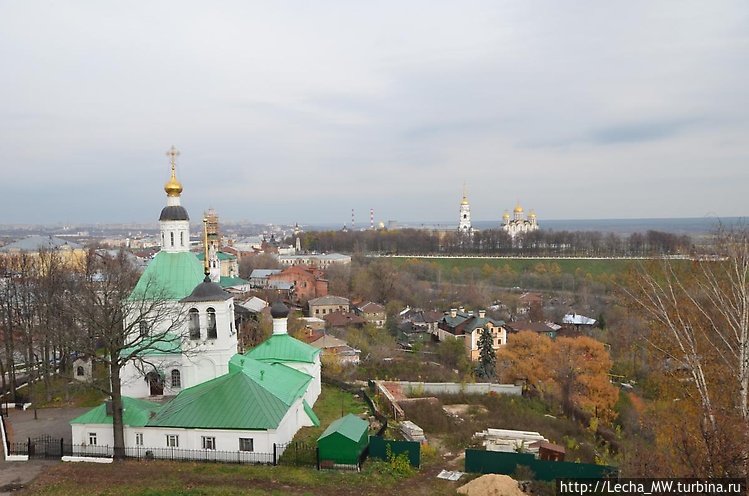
(493, 462)
(54, 448)
(378, 449)
(296, 453)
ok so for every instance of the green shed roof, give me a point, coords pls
(170, 276)
(135, 413)
(283, 348)
(349, 426)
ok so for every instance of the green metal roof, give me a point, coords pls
(170, 276)
(165, 344)
(135, 413)
(227, 281)
(349, 426)
(283, 348)
(311, 414)
(284, 382)
(254, 397)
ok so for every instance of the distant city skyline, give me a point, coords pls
(287, 112)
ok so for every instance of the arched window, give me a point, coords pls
(176, 379)
(212, 333)
(79, 371)
(193, 323)
(143, 326)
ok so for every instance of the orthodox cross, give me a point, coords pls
(173, 153)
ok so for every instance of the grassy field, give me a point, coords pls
(154, 478)
(594, 267)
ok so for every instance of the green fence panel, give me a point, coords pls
(547, 470)
(378, 449)
(494, 462)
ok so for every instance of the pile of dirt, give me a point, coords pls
(492, 485)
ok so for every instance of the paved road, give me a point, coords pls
(22, 425)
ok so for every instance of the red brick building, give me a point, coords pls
(308, 282)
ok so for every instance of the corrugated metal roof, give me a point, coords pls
(311, 414)
(573, 318)
(231, 401)
(349, 426)
(169, 276)
(36, 243)
(135, 413)
(284, 382)
(283, 348)
(329, 300)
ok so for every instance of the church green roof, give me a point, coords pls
(237, 400)
(135, 413)
(283, 348)
(221, 256)
(285, 382)
(169, 276)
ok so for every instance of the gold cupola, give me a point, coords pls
(465, 200)
(173, 187)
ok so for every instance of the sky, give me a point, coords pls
(297, 111)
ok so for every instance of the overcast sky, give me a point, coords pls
(302, 111)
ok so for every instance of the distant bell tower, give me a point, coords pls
(464, 226)
(174, 221)
(213, 243)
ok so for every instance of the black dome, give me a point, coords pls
(207, 291)
(279, 310)
(174, 212)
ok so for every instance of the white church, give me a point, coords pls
(187, 349)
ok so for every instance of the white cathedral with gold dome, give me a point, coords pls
(518, 224)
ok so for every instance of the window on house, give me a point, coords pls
(79, 371)
(212, 334)
(246, 444)
(92, 438)
(176, 379)
(208, 443)
(139, 439)
(172, 441)
(143, 326)
(193, 323)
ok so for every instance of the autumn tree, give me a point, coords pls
(524, 358)
(699, 317)
(573, 371)
(580, 370)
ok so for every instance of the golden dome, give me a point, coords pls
(464, 202)
(518, 209)
(532, 215)
(506, 215)
(173, 187)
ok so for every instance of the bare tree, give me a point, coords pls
(125, 325)
(699, 311)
